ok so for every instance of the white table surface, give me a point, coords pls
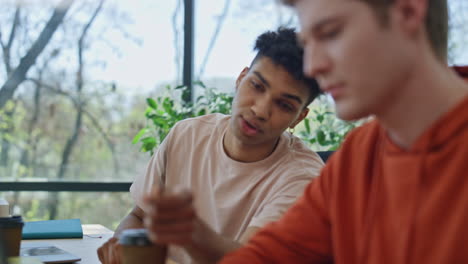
(86, 248)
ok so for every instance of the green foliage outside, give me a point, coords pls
(321, 130)
(168, 109)
(12, 117)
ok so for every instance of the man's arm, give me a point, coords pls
(132, 221)
(213, 246)
(171, 219)
(109, 252)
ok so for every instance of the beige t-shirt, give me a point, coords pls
(229, 195)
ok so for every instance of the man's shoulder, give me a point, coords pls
(297, 147)
(198, 132)
(364, 134)
(359, 144)
(297, 158)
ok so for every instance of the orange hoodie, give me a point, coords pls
(377, 203)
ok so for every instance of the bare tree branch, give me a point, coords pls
(79, 83)
(103, 134)
(5, 146)
(14, 26)
(88, 114)
(71, 142)
(54, 90)
(25, 154)
(221, 20)
(7, 48)
(79, 87)
(18, 75)
(1, 41)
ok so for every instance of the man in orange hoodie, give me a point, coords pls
(397, 190)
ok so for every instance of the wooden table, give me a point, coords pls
(93, 237)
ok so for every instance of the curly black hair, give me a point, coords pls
(282, 48)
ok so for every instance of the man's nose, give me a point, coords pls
(316, 62)
(262, 108)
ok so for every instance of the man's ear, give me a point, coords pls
(410, 14)
(241, 76)
(301, 117)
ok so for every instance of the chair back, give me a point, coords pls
(325, 155)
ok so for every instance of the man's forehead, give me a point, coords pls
(313, 13)
(272, 74)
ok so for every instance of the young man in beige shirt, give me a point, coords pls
(239, 172)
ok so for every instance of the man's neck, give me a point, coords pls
(429, 92)
(239, 151)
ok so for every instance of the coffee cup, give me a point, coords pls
(137, 248)
(11, 229)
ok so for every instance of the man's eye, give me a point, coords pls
(329, 33)
(286, 106)
(256, 85)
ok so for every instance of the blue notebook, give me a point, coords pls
(67, 228)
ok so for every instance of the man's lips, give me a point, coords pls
(248, 128)
(335, 90)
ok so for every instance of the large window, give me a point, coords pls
(72, 117)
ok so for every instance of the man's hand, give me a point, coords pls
(109, 253)
(170, 217)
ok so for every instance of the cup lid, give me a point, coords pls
(13, 221)
(134, 237)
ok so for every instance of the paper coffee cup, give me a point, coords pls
(11, 229)
(137, 248)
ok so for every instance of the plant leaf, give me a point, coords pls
(139, 134)
(321, 137)
(307, 125)
(152, 103)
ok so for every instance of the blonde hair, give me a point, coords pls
(436, 21)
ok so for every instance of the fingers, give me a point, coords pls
(165, 228)
(162, 214)
(175, 239)
(109, 252)
(116, 256)
(170, 217)
(102, 252)
(175, 233)
(167, 199)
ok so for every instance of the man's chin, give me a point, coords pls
(349, 113)
(249, 140)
